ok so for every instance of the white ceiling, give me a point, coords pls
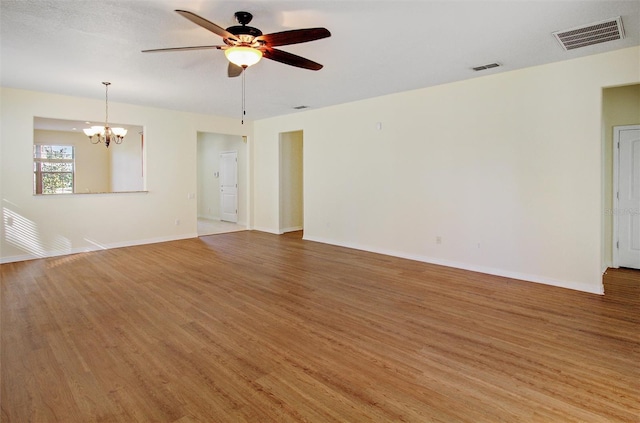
(376, 48)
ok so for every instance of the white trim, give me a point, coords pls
(614, 218)
(616, 181)
(94, 247)
(578, 286)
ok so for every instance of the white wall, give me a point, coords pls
(512, 162)
(505, 169)
(127, 163)
(210, 146)
(36, 226)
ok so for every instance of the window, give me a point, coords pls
(53, 169)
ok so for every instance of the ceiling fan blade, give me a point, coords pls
(198, 20)
(156, 50)
(290, 59)
(234, 70)
(294, 36)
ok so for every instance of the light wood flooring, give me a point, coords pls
(254, 327)
(211, 227)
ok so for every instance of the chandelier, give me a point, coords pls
(105, 134)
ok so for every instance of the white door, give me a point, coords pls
(627, 210)
(229, 186)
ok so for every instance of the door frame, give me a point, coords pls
(616, 184)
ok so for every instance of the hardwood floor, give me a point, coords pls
(254, 327)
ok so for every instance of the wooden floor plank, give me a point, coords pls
(248, 326)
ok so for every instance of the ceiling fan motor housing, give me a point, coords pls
(243, 18)
(244, 32)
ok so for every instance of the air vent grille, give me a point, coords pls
(484, 67)
(300, 107)
(593, 33)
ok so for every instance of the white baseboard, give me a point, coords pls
(577, 286)
(93, 247)
(448, 263)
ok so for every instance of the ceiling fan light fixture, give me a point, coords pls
(243, 56)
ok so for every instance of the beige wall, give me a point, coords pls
(620, 106)
(506, 169)
(36, 226)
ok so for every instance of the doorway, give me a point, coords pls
(291, 182)
(620, 107)
(626, 210)
(212, 152)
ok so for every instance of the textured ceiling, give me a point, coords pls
(376, 48)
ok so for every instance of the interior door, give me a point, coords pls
(229, 186)
(628, 208)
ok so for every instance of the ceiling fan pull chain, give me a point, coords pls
(244, 112)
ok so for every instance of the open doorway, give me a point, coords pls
(626, 198)
(222, 183)
(291, 182)
(620, 107)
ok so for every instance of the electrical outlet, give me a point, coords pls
(177, 222)
(438, 240)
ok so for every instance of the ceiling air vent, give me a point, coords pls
(593, 33)
(300, 107)
(483, 67)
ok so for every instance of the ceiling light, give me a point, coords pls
(105, 133)
(243, 56)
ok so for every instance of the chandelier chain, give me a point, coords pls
(106, 107)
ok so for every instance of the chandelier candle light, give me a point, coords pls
(105, 133)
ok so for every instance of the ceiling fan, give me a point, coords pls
(245, 45)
